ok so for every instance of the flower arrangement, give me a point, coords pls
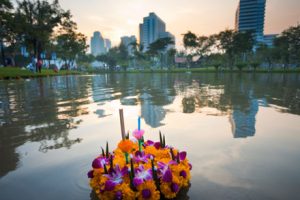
(140, 169)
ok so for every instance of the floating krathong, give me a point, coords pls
(140, 169)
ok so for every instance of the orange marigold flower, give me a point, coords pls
(126, 146)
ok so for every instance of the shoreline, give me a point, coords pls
(15, 73)
(18, 73)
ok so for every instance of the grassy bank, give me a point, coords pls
(17, 73)
(202, 70)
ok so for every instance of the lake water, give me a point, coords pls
(241, 131)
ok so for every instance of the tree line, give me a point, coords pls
(43, 29)
(230, 48)
(38, 29)
(158, 54)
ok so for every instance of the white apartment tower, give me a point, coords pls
(97, 44)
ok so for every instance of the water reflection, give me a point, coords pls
(234, 95)
(46, 111)
(39, 110)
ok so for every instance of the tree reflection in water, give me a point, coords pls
(45, 110)
(40, 110)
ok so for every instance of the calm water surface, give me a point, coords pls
(241, 131)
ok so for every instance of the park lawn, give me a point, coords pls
(205, 70)
(16, 73)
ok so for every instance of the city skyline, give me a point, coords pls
(197, 16)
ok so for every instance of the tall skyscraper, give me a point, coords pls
(250, 15)
(152, 29)
(107, 44)
(97, 44)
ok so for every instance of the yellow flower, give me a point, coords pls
(148, 191)
(123, 190)
(170, 190)
(182, 172)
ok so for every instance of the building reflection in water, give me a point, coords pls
(44, 110)
(243, 121)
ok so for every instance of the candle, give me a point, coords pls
(139, 123)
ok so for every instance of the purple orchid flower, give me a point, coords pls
(164, 172)
(141, 157)
(90, 174)
(100, 162)
(146, 193)
(119, 195)
(182, 155)
(141, 175)
(149, 143)
(115, 177)
(183, 173)
(174, 187)
(157, 145)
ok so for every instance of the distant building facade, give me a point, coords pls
(152, 29)
(98, 44)
(127, 42)
(250, 15)
(107, 44)
(269, 39)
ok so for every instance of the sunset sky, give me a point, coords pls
(116, 18)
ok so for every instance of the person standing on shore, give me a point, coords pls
(39, 65)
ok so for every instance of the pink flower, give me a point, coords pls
(138, 134)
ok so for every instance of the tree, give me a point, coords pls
(265, 54)
(225, 44)
(70, 43)
(235, 44)
(138, 54)
(5, 31)
(158, 48)
(116, 55)
(108, 58)
(293, 35)
(282, 49)
(288, 45)
(243, 43)
(36, 22)
(190, 43)
(205, 44)
(216, 60)
(171, 57)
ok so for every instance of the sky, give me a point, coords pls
(116, 18)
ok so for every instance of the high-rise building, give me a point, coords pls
(269, 39)
(152, 29)
(250, 15)
(127, 41)
(107, 44)
(97, 44)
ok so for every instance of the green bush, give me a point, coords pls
(241, 65)
(255, 65)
